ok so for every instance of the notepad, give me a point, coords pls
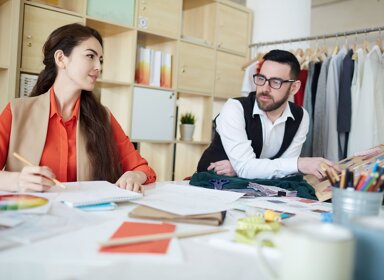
(94, 192)
(128, 229)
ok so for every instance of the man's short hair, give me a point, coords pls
(285, 57)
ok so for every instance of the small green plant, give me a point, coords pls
(187, 118)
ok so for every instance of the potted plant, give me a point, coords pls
(187, 126)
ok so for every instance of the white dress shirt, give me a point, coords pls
(231, 127)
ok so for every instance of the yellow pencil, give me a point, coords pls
(19, 157)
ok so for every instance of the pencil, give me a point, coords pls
(342, 180)
(158, 236)
(19, 157)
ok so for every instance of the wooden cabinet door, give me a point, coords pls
(38, 24)
(232, 29)
(160, 16)
(196, 68)
(229, 76)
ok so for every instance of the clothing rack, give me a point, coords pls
(317, 37)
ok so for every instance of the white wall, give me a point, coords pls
(280, 19)
(346, 16)
(284, 19)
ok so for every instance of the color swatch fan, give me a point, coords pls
(14, 202)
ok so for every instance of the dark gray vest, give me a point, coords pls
(254, 129)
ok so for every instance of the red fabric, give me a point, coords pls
(299, 96)
(59, 152)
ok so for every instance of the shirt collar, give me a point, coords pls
(54, 111)
(286, 113)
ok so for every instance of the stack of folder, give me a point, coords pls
(144, 212)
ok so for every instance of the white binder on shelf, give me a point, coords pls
(27, 82)
(155, 68)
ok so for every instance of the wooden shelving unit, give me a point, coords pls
(202, 36)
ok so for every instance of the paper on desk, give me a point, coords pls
(188, 200)
(295, 205)
(93, 192)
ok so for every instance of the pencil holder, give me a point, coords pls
(348, 204)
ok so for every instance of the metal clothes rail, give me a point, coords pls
(317, 37)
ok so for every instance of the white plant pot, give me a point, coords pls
(186, 132)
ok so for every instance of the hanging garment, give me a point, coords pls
(332, 144)
(380, 102)
(344, 110)
(248, 83)
(318, 111)
(366, 125)
(306, 151)
(299, 96)
(355, 96)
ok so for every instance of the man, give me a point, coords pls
(261, 135)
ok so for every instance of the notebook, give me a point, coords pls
(144, 212)
(93, 192)
(128, 229)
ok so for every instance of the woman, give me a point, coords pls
(62, 128)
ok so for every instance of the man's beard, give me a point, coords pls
(271, 106)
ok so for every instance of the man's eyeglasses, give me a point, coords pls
(274, 83)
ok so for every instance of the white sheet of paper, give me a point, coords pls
(188, 200)
(93, 192)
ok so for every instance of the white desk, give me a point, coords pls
(74, 255)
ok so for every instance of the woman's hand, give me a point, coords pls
(133, 181)
(222, 167)
(35, 179)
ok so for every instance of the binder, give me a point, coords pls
(155, 68)
(143, 60)
(166, 68)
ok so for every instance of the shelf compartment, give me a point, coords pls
(160, 17)
(186, 159)
(159, 157)
(76, 6)
(203, 29)
(119, 50)
(118, 100)
(38, 24)
(5, 34)
(229, 75)
(201, 107)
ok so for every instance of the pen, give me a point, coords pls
(27, 162)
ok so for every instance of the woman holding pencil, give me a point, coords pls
(62, 131)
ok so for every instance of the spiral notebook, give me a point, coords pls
(93, 192)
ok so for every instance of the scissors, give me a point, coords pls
(218, 184)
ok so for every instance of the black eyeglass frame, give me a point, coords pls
(273, 79)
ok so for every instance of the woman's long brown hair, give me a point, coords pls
(94, 118)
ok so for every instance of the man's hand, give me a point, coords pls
(315, 166)
(222, 167)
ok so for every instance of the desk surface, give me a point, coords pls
(74, 255)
